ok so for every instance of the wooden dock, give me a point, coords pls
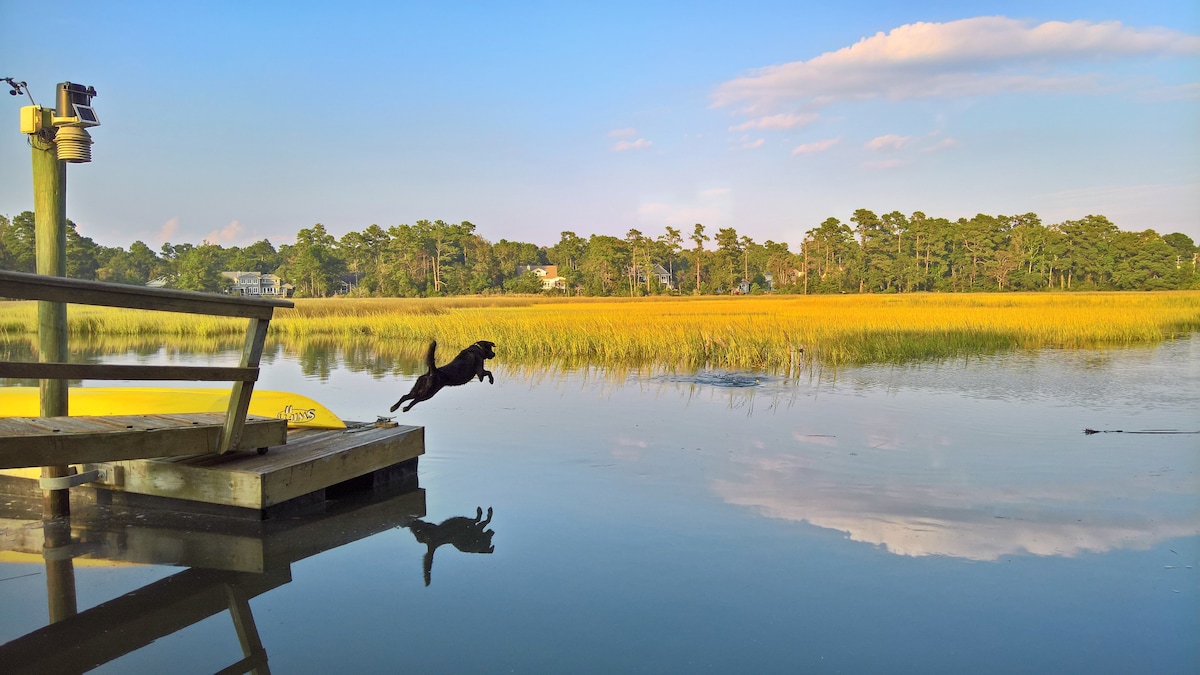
(44, 441)
(200, 461)
(298, 474)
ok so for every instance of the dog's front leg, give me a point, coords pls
(402, 400)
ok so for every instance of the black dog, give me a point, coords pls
(468, 364)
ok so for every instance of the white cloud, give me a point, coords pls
(777, 122)
(747, 144)
(943, 144)
(229, 234)
(888, 143)
(167, 232)
(968, 57)
(713, 207)
(622, 133)
(816, 146)
(622, 146)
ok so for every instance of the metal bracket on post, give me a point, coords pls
(95, 473)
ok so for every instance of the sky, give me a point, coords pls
(231, 122)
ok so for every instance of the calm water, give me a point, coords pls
(936, 518)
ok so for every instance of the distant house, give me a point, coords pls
(660, 273)
(547, 273)
(259, 285)
(346, 284)
(158, 282)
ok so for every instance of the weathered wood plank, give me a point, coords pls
(23, 286)
(239, 398)
(28, 441)
(98, 371)
(312, 460)
(346, 456)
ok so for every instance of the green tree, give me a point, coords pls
(877, 260)
(606, 261)
(671, 244)
(1187, 255)
(832, 256)
(1088, 248)
(698, 238)
(639, 260)
(528, 282)
(781, 264)
(82, 262)
(312, 264)
(260, 256)
(512, 254)
(726, 269)
(199, 269)
(18, 241)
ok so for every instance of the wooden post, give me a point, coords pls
(50, 222)
(239, 397)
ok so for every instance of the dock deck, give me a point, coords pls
(45, 441)
(251, 485)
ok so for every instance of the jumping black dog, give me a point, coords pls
(467, 365)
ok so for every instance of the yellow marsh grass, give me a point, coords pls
(754, 333)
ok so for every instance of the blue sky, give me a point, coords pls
(234, 122)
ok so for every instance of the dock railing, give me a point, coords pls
(23, 286)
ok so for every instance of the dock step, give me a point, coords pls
(312, 461)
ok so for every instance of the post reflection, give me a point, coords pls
(230, 562)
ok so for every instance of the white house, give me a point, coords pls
(258, 284)
(547, 273)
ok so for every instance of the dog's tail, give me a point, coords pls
(429, 362)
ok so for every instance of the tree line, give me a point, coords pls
(890, 253)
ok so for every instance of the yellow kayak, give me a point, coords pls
(299, 411)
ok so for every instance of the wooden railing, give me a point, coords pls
(22, 286)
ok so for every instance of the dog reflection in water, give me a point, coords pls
(464, 533)
(465, 367)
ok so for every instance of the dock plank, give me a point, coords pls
(49, 441)
(312, 460)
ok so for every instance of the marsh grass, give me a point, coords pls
(763, 333)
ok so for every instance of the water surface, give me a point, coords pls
(925, 518)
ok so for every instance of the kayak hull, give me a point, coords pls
(299, 411)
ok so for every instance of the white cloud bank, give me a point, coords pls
(968, 57)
